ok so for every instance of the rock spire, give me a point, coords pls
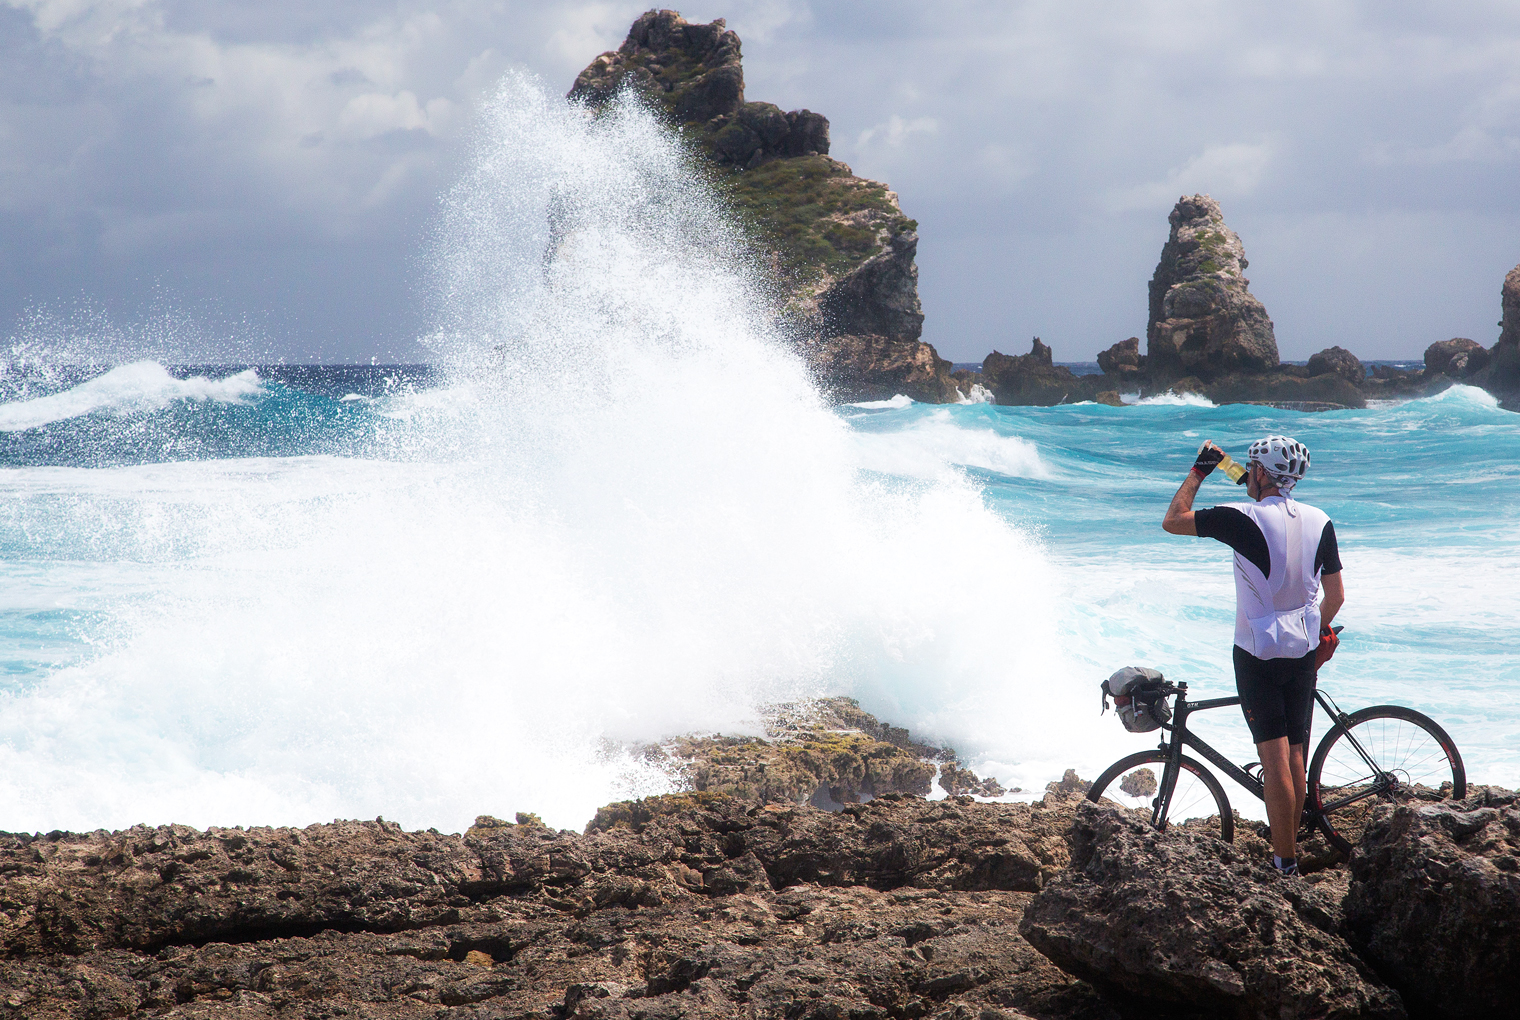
(841, 250)
(1204, 322)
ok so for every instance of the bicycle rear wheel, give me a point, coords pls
(1198, 801)
(1381, 755)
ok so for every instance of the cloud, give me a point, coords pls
(376, 113)
(1224, 171)
(896, 130)
(283, 158)
(1471, 144)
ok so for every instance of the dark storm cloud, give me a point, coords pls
(278, 164)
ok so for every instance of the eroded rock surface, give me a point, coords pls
(1503, 374)
(1434, 902)
(900, 907)
(1339, 362)
(1182, 918)
(1123, 360)
(1458, 357)
(1204, 322)
(1035, 379)
(828, 752)
(841, 251)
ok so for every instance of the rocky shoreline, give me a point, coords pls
(741, 899)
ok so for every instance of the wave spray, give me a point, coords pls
(627, 515)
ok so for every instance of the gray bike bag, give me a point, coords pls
(1138, 701)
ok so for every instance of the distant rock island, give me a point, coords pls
(841, 248)
(1207, 334)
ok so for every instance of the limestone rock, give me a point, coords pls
(1183, 918)
(1203, 320)
(1338, 361)
(840, 249)
(1122, 360)
(1458, 357)
(1501, 376)
(899, 907)
(1434, 902)
(1284, 388)
(1110, 398)
(1509, 301)
(693, 70)
(958, 781)
(1030, 379)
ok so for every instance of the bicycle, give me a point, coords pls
(1385, 753)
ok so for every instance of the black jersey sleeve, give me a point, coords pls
(1236, 530)
(1327, 559)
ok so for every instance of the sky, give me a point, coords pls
(228, 180)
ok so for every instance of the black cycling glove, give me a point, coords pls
(1208, 458)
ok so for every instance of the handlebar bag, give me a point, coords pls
(1138, 700)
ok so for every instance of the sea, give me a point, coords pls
(613, 508)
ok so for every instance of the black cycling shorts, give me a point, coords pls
(1277, 695)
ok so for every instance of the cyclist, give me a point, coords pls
(1285, 552)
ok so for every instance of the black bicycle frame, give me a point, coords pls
(1181, 736)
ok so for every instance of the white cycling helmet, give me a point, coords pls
(1282, 457)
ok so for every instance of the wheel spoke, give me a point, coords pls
(1410, 754)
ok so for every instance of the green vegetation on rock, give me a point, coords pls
(814, 213)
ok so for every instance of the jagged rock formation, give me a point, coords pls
(841, 247)
(827, 752)
(1203, 320)
(1186, 920)
(1123, 360)
(1338, 361)
(698, 904)
(1035, 379)
(1027, 379)
(895, 908)
(1503, 376)
(1435, 902)
(1458, 357)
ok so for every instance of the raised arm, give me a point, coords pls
(1179, 516)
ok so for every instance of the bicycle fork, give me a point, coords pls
(1161, 806)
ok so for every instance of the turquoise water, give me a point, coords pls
(230, 598)
(1426, 500)
(617, 510)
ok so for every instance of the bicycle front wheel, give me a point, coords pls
(1381, 755)
(1198, 801)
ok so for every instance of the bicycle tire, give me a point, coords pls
(1412, 752)
(1199, 781)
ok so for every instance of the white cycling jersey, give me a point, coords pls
(1281, 548)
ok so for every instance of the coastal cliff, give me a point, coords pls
(840, 249)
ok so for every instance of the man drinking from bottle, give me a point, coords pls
(1285, 552)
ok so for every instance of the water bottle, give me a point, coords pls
(1232, 470)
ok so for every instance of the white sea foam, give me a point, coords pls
(897, 402)
(629, 516)
(1460, 395)
(128, 389)
(934, 446)
(1175, 400)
